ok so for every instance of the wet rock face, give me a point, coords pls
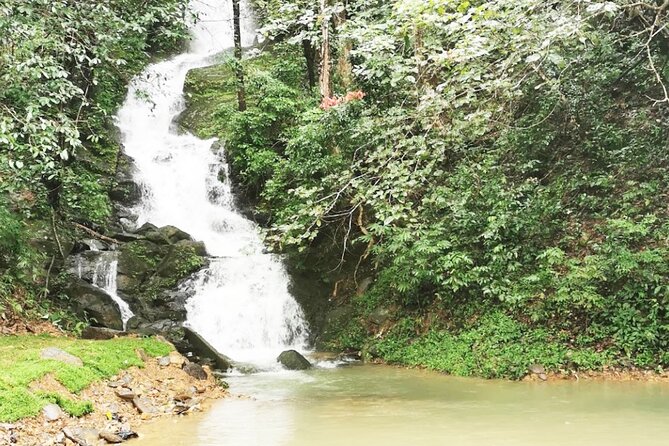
(203, 350)
(125, 191)
(150, 268)
(292, 360)
(91, 301)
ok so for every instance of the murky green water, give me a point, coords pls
(376, 405)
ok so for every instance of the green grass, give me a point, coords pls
(495, 347)
(20, 365)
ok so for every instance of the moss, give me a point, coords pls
(211, 92)
(21, 365)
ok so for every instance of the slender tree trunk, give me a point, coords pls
(310, 57)
(239, 69)
(324, 81)
(344, 67)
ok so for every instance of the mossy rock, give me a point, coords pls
(140, 257)
(94, 303)
(182, 259)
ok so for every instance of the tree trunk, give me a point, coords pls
(310, 57)
(324, 81)
(239, 69)
(344, 67)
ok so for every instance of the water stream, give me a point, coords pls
(378, 405)
(242, 306)
(241, 303)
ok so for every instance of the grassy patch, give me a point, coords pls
(495, 347)
(20, 365)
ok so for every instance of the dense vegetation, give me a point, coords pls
(496, 170)
(503, 181)
(64, 69)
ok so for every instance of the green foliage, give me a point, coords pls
(506, 166)
(20, 365)
(494, 347)
(64, 69)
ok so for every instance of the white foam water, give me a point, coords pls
(241, 303)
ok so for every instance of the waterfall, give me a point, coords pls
(105, 270)
(240, 303)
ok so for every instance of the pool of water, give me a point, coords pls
(370, 405)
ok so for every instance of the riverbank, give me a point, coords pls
(365, 404)
(58, 390)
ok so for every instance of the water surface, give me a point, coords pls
(378, 405)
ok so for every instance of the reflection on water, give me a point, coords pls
(370, 405)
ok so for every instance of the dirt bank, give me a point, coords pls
(165, 386)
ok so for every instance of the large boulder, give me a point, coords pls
(127, 193)
(150, 271)
(292, 360)
(199, 346)
(94, 303)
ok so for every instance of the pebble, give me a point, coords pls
(52, 412)
(176, 359)
(126, 394)
(144, 405)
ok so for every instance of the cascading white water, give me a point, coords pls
(104, 275)
(241, 303)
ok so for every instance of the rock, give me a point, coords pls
(335, 321)
(537, 369)
(144, 405)
(364, 286)
(174, 234)
(95, 245)
(81, 436)
(126, 237)
(140, 257)
(52, 412)
(176, 359)
(183, 258)
(125, 394)
(203, 349)
(164, 361)
(127, 434)
(149, 273)
(195, 370)
(111, 437)
(57, 354)
(95, 303)
(292, 360)
(127, 193)
(101, 333)
(127, 379)
(245, 368)
(152, 233)
(380, 316)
